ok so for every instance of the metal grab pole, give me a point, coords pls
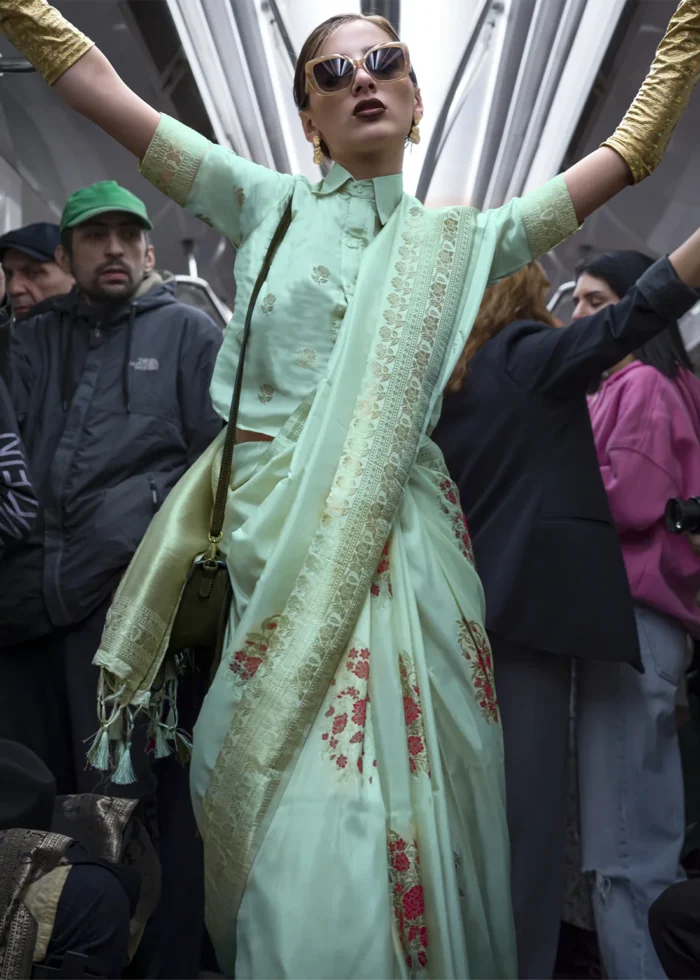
(16, 66)
(433, 152)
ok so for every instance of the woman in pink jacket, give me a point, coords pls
(646, 425)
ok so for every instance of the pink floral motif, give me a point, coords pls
(450, 506)
(413, 715)
(245, 662)
(408, 900)
(345, 736)
(381, 586)
(477, 649)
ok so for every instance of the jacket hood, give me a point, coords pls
(155, 291)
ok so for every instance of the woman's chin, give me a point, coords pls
(376, 138)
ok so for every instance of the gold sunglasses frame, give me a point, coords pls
(360, 63)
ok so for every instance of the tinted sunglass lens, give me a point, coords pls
(387, 63)
(333, 74)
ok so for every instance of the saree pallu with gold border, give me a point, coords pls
(347, 765)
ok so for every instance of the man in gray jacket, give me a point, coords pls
(110, 384)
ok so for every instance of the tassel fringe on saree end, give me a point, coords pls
(111, 748)
(644, 133)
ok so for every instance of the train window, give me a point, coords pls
(198, 293)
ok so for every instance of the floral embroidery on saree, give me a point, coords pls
(408, 901)
(266, 393)
(268, 303)
(244, 663)
(347, 713)
(477, 650)
(413, 714)
(381, 587)
(320, 274)
(306, 358)
(450, 505)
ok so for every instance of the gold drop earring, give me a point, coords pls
(414, 135)
(318, 152)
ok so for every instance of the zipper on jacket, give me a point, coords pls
(154, 492)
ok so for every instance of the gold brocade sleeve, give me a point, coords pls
(43, 36)
(643, 135)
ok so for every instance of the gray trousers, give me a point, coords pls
(631, 791)
(533, 692)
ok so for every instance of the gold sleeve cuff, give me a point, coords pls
(173, 158)
(643, 135)
(548, 216)
(43, 36)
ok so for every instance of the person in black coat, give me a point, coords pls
(517, 440)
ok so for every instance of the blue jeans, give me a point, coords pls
(631, 791)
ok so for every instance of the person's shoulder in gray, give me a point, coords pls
(111, 388)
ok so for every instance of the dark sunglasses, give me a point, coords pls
(385, 63)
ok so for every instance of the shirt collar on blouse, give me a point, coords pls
(388, 191)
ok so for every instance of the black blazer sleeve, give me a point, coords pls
(561, 360)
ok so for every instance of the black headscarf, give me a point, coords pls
(620, 270)
(27, 789)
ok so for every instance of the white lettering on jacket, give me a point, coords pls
(145, 364)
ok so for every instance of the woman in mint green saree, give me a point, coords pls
(347, 769)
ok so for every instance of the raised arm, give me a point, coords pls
(559, 361)
(80, 73)
(93, 88)
(636, 147)
(231, 194)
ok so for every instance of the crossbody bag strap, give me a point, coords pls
(217, 518)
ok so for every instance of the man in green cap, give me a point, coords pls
(104, 243)
(110, 384)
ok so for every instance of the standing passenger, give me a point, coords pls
(646, 426)
(351, 734)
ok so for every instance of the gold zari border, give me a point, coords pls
(424, 291)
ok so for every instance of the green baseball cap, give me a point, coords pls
(100, 198)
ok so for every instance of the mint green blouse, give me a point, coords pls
(302, 305)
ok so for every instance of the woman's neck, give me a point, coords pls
(367, 167)
(625, 362)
